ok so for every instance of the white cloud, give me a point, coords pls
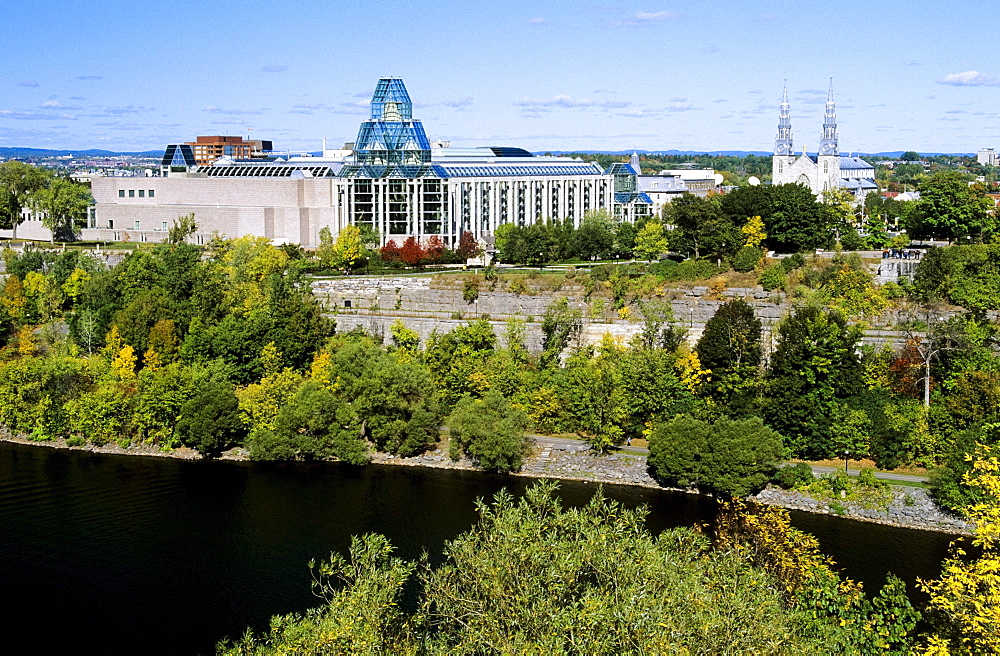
(646, 18)
(212, 109)
(457, 104)
(568, 102)
(36, 116)
(970, 79)
(51, 104)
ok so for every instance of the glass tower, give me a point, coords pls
(391, 143)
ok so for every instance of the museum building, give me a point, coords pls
(392, 178)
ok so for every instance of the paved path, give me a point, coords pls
(572, 444)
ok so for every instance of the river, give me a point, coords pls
(121, 554)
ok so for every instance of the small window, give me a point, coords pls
(131, 193)
(137, 224)
(121, 193)
(117, 236)
(163, 225)
(152, 192)
(142, 237)
(347, 303)
(111, 224)
(142, 193)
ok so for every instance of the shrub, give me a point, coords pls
(729, 457)
(748, 258)
(491, 431)
(771, 278)
(76, 440)
(866, 478)
(793, 262)
(793, 476)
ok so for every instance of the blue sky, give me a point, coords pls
(540, 75)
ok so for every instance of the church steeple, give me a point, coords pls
(828, 145)
(783, 142)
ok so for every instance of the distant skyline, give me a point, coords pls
(558, 75)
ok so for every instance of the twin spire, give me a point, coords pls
(828, 142)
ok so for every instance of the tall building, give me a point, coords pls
(827, 169)
(987, 157)
(393, 180)
(208, 149)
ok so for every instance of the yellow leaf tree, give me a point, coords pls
(965, 601)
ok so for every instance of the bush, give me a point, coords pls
(491, 431)
(729, 457)
(866, 478)
(793, 476)
(76, 440)
(748, 258)
(850, 240)
(792, 262)
(771, 278)
(686, 271)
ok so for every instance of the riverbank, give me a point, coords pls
(909, 507)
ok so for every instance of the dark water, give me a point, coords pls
(113, 554)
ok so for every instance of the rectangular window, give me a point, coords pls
(142, 237)
(142, 193)
(163, 225)
(117, 236)
(137, 225)
(121, 193)
(131, 193)
(151, 193)
(111, 224)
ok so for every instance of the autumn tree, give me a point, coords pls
(348, 248)
(650, 241)
(964, 603)
(468, 247)
(412, 253)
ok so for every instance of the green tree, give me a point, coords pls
(18, 182)
(814, 364)
(728, 457)
(490, 431)
(650, 242)
(210, 420)
(952, 209)
(314, 425)
(63, 204)
(182, 229)
(595, 237)
(700, 228)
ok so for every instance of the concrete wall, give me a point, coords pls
(282, 209)
(376, 303)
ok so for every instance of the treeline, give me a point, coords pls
(782, 218)
(228, 347)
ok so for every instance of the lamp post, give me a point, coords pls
(846, 455)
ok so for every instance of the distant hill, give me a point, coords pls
(728, 153)
(733, 153)
(93, 152)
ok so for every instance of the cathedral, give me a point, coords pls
(827, 169)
